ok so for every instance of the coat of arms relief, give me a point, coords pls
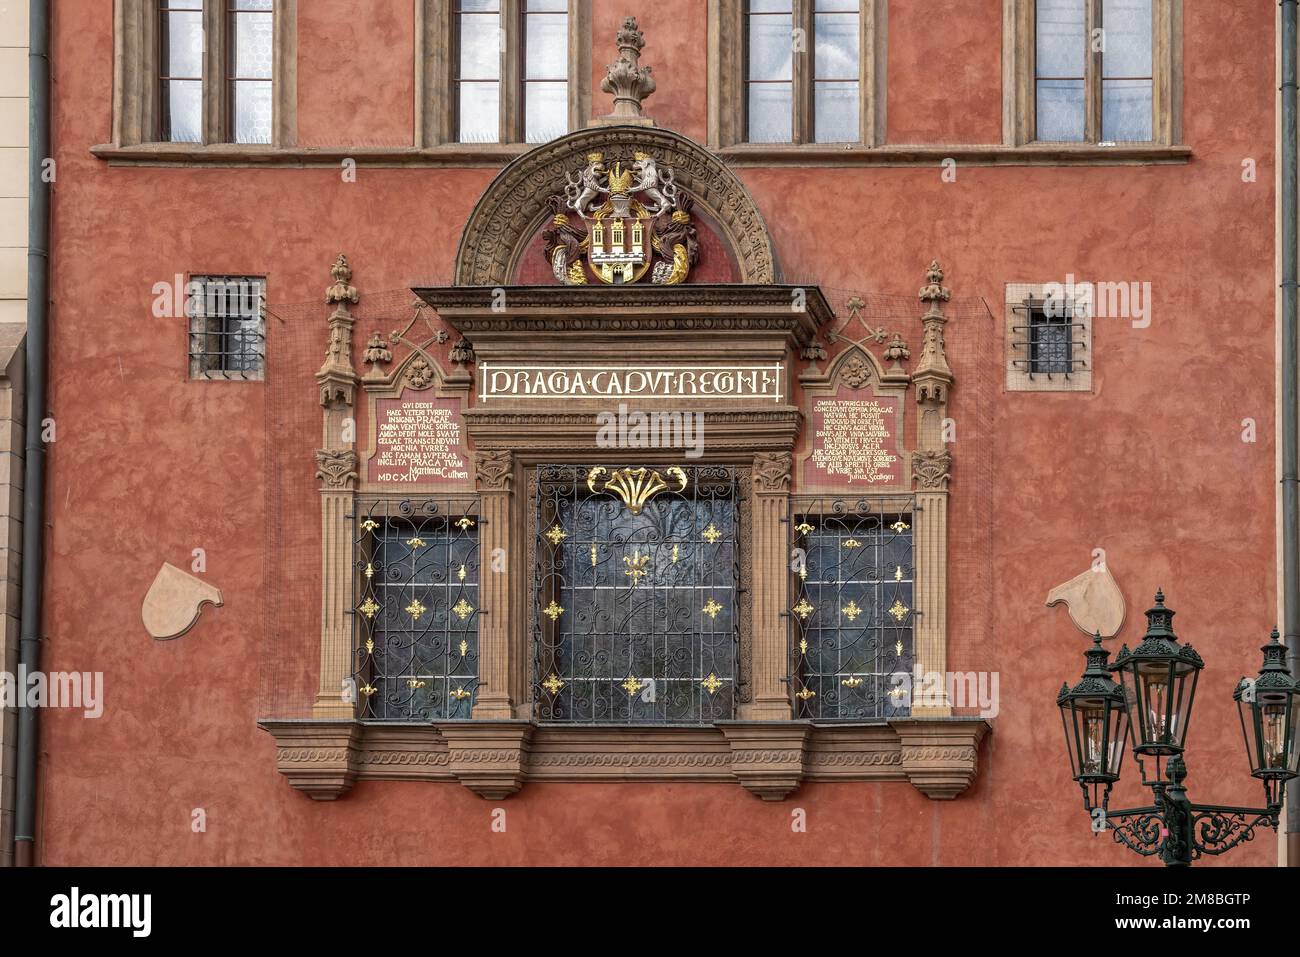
(617, 224)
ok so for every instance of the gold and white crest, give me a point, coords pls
(616, 223)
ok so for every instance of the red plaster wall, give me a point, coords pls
(945, 72)
(148, 466)
(356, 73)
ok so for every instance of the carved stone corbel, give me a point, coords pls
(940, 758)
(931, 470)
(488, 757)
(767, 757)
(320, 758)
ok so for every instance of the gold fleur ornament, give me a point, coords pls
(851, 612)
(898, 610)
(711, 534)
(553, 684)
(557, 534)
(712, 608)
(463, 609)
(415, 609)
(632, 686)
(368, 608)
(711, 683)
(803, 609)
(553, 611)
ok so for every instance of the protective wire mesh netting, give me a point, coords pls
(297, 335)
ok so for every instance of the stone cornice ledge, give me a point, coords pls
(239, 154)
(496, 758)
(1033, 154)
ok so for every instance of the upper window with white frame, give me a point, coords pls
(1095, 71)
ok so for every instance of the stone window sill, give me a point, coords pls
(494, 759)
(747, 154)
(1033, 154)
(239, 154)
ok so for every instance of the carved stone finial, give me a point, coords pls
(626, 80)
(932, 374)
(376, 351)
(934, 292)
(897, 353)
(342, 291)
(336, 377)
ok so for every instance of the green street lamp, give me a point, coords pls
(1152, 704)
(1267, 705)
(1096, 726)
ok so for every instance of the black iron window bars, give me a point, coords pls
(227, 327)
(851, 617)
(635, 594)
(416, 569)
(1050, 341)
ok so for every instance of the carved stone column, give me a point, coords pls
(495, 474)
(769, 588)
(336, 468)
(931, 467)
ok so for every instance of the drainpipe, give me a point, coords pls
(1290, 425)
(38, 304)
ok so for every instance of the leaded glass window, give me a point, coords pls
(785, 104)
(417, 571)
(851, 620)
(1094, 70)
(180, 70)
(635, 594)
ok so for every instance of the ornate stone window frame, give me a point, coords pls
(434, 69)
(135, 78)
(1018, 376)
(1018, 101)
(727, 80)
(747, 322)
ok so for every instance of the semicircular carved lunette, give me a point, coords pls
(515, 202)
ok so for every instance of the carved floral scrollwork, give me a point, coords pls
(772, 471)
(932, 470)
(494, 469)
(856, 372)
(336, 468)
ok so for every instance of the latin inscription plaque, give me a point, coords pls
(419, 442)
(854, 442)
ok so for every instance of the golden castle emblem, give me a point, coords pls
(631, 221)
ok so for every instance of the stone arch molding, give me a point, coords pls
(514, 205)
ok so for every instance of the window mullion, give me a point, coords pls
(215, 95)
(802, 73)
(1093, 71)
(512, 74)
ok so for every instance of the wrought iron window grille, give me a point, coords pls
(416, 568)
(636, 607)
(851, 620)
(227, 327)
(1045, 344)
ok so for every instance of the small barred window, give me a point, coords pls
(227, 327)
(1049, 337)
